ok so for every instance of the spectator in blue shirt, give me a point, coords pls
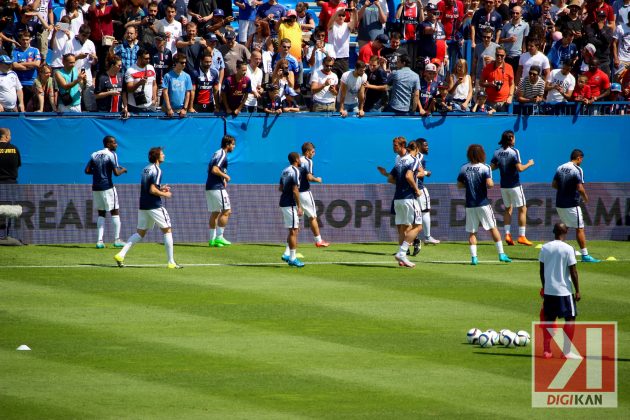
(177, 88)
(26, 61)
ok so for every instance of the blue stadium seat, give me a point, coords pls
(57, 13)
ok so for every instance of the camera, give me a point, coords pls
(498, 84)
(150, 20)
(285, 72)
(268, 87)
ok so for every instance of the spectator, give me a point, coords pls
(206, 87)
(272, 102)
(329, 9)
(284, 54)
(236, 88)
(621, 49)
(162, 60)
(61, 42)
(410, 13)
(26, 61)
(193, 47)
(615, 96)
(572, 21)
(480, 104)
(217, 58)
(272, 12)
(324, 87)
(217, 25)
(320, 50)
(41, 31)
(128, 50)
(44, 97)
(597, 8)
(246, 19)
(282, 77)
(587, 54)
(442, 103)
(181, 10)
(233, 53)
(304, 17)
(371, 20)
(531, 89)
(560, 83)
(601, 36)
(373, 48)
(201, 11)
(258, 40)
(11, 96)
(451, 17)
(134, 16)
(533, 57)
(146, 27)
(404, 94)
(513, 36)
(486, 17)
(582, 91)
(109, 87)
(428, 86)
(177, 88)
(376, 86)
(598, 81)
(622, 10)
(70, 82)
(430, 36)
(101, 16)
(563, 50)
(352, 90)
(74, 13)
(339, 37)
(288, 28)
(141, 86)
(530, 10)
(498, 80)
(484, 54)
(394, 51)
(85, 53)
(29, 20)
(460, 86)
(169, 28)
(255, 75)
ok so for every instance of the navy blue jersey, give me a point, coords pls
(219, 159)
(151, 175)
(506, 160)
(102, 164)
(423, 163)
(474, 177)
(306, 167)
(568, 177)
(399, 172)
(290, 178)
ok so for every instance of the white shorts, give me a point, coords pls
(407, 212)
(149, 218)
(245, 29)
(477, 215)
(513, 197)
(308, 204)
(105, 200)
(217, 200)
(291, 218)
(424, 200)
(572, 217)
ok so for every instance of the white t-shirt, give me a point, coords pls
(60, 45)
(135, 73)
(9, 84)
(622, 35)
(173, 31)
(319, 55)
(557, 78)
(339, 37)
(84, 63)
(539, 59)
(353, 85)
(75, 23)
(255, 78)
(324, 96)
(557, 256)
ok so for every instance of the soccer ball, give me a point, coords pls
(494, 336)
(473, 335)
(502, 336)
(485, 340)
(510, 340)
(523, 338)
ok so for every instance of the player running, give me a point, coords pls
(291, 208)
(216, 195)
(306, 196)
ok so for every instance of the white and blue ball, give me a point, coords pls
(523, 338)
(510, 339)
(502, 336)
(494, 336)
(473, 335)
(485, 340)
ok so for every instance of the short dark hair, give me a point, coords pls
(420, 141)
(307, 146)
(535, 68)
(360, 64)
(154, 154)
(560, 229)
(328, 59)
(65, 56)
(293, 157)
(506, 138)
(476, 154)
(227, 140)
(412, 146)
(395, 35)
(142, 52)
(405, 60)
(576, 153)
(170, 6)
(108, 139)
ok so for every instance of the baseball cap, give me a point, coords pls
(601, 13)
(575, 3)
(590, 48)
(382, 38)
(230, 35)
(430, 67)
(442, 85)
(218, 12)
(291, 13)
(211, 37)
(431, 7)
(615, 87)
(481, 93)
(5, 59)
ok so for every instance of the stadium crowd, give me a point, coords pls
(218, 56)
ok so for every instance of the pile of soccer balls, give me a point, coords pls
(504, 337)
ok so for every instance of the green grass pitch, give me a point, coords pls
(239, 334)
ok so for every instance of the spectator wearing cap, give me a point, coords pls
(572, 21)
(429, 86)
(601, 36)
(339, 36)
(162, 60)
(288, 28)
(26, 61)
(11, 97)
(218, 25)
(513, 35)
(304, 17)
(177, 88)
(531, 90)
(498, 80)
(621, 49)
(485, 17)
(615, 96)
(373, 48)
(246, 19)
(442, 103)
(533, 57)
(586, 55)
(272, 12)
(563, 50)
(597, 8)
(481, 105)
(217, 57)
(598, 81)
(404, 93)
(430, 36)
(233, 53)
(324, 87)
(169, 28)
(352, 90)
(560, 83)
(371, 18)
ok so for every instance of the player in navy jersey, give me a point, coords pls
(103, 163)
(424, 199)
(476, 177)
(152, 209)
(306, 196)
(569, 183)
(291, 207)
(216, 195)
(508, 160)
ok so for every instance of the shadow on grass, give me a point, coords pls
(67, 246)
(352, 251)
(368, 265)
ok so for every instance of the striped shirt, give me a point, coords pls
(530, 91)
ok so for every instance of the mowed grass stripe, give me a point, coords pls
(367, 368)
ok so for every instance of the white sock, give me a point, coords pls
(100, 228)
(499, 246)
(212, 234)
(168, 244)
(318, 238)
(133, 239)
(521, 230)
(584, 251)
(473, 250)
(507, 229)
(292, 254)
(220, 231)
(116, 223)
(287, 251)
(403, 248)
(426, 224)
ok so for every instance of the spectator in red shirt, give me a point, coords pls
(328, 10)
(373, 48)
(451, 16)
(598, 81)
(594, 6)
(497, 78)
(101, 18)
(582, 92)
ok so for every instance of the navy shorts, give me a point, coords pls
(559, 307)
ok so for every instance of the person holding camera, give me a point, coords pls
(271, 12)
(339, 36)
(145, 25)
(498, 80)
(193, 47)
(69, 80)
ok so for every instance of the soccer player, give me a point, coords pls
(424, 199)
(152, 209)
(216, 194)
(508, 160)
(102, 164)
(569, 183)
(306, 197)
(476, 178)
(560, 287)
(291, 208)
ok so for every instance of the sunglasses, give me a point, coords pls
(286, 46)
(533, 73)
(500, 55)
(328, 67)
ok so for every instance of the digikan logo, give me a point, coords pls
(574, 365)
